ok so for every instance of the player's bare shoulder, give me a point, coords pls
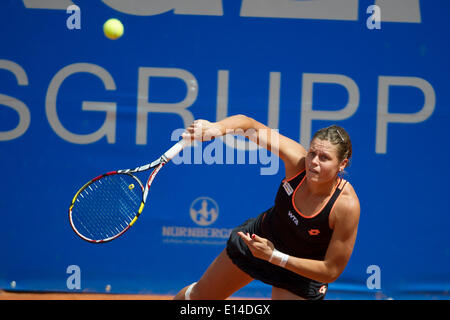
(293, 155)
(347, 207)
(349, 200)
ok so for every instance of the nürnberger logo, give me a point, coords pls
(204, 211)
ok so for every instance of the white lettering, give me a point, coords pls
(74, 20)
(383, 115)
(179, 231)
(108, 128)
(180, 108)
(17, 105)
(74, 280)
(154, 7)
(400, 10)
(374, 280)
(214, 153)
(374, 21)
(293, 218)
(239, 142)
(340, 10)
(47, 4)
(318, 9)
(308, 114)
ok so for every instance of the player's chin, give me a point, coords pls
(313, 175)
(318, 177)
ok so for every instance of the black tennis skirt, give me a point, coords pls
(267, 272)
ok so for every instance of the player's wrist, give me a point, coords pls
(220, 128)
(278, 258)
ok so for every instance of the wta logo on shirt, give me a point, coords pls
(293, 218)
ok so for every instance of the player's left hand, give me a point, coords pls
(260, 247)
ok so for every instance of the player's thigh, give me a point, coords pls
(282, 294)
(220, 280)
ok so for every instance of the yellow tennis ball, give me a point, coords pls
(113, 29)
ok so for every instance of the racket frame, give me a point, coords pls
(155, 165)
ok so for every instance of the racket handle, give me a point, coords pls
(176, 149)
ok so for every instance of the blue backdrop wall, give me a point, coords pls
(74, 104)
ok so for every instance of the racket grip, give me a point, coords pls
(176, 149)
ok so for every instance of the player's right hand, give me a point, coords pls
(203, 130)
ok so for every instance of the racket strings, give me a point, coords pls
(113, 217)
(107, 206)
(87, 215)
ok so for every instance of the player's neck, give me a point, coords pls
(321, 188)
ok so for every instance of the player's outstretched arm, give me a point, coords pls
(291, 152)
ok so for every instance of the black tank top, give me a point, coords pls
(293, 233)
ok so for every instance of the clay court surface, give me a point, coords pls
(16, 295)
(8, 295)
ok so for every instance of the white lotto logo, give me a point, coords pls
(204, 211)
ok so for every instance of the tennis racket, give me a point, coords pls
(108, 205)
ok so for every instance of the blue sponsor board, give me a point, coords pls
(74, 104)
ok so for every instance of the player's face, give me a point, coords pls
(322, 163)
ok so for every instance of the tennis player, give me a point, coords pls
(305, 240)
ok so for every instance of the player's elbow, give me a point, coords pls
(326, 277)
(332, 274)
(241, 121)
(333, 277)
(241, 116)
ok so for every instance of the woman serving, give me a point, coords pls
(305, 240)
